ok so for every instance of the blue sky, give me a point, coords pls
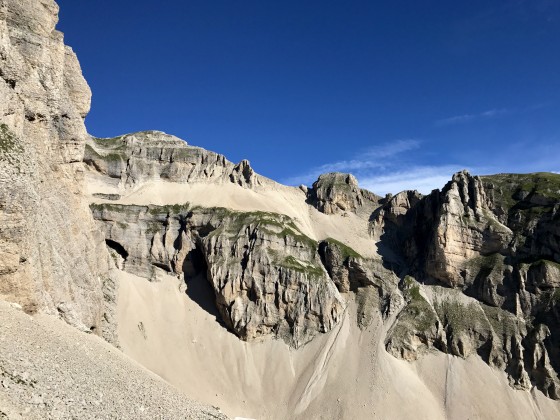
(400, 93)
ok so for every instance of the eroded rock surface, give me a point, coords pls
(52, 258)
(269, 279)
(137, 158)
(473, 269)
(484, 239)
(495, 239)
(338, 193)
(267, 276)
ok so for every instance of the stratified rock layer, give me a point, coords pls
(267, 276)
(493, 240)
(477, 264)
(136, 158)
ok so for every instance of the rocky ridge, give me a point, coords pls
(268, 277)
(133, 159)
(495, 254)
(495, 239)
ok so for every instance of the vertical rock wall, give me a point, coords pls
(52, 257)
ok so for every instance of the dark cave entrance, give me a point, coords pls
(118, 248)
(118, 252)
(199, 289)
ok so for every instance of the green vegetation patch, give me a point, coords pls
(344, 249)
(235, 223)
(502, 322)
(110, 143)
(171, 209)
(545, 262)
(306, 268)
(9, 144)
(412, 289)
(418, 313)
(109, 157)
(459, 316)
(118, 208)
(508, 186)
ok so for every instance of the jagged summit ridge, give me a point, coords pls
(134, 159)
(152, 155)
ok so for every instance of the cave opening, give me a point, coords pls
(199, 288)
(117, 252)
(118, 248)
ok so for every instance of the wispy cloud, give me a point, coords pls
(409, 165)
(375, 158)
(380, 169)
(465, 118)
(421, 178)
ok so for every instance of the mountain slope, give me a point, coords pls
(405, 248)
(49, 370)
(273, 301)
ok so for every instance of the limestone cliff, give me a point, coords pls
(267, 276)
(496, 240)
(490, 241)
(471, 270)
(134, 159)
(52, 258)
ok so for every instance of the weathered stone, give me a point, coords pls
(267, 276)
(134, 159)
(338, 193)
(493, 240)
(52, 257)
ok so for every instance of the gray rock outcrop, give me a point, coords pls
(266, 275)
(269, 279)
(473, 269)
(338, 193)
(136, 158)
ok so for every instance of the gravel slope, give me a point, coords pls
(49, 370)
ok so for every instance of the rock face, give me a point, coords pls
(495, 239)
(492, 242)
(52, 258)
(267, 276)
(338, 193)
(134, 159)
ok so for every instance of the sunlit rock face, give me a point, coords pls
(52, 257)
